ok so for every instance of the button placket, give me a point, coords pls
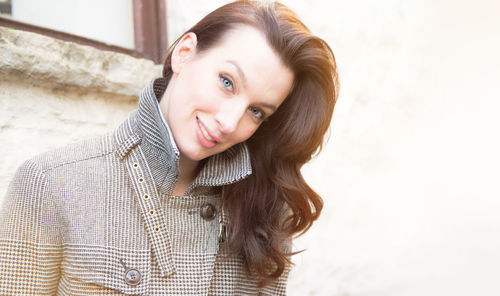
(141, 180)
(137, 167)
(151, 211)
(145, 196)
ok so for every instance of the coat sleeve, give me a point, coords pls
(30, 247)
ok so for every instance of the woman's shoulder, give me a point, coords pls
(63, 169)
(74, 154)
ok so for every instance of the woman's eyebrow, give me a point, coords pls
(269, 106)
(240, 71)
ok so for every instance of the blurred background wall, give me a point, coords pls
(410, 175)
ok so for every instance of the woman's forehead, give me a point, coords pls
(246, 47)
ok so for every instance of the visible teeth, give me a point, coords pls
(205, 133)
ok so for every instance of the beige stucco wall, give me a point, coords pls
(54, 92)
(409, 176)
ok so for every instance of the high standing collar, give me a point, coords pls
(148, 127)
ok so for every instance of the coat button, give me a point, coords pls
(208, 211)
(132, 277)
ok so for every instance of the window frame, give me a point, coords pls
(150, 31)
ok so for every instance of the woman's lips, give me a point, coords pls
(205, 138)
(205, 133)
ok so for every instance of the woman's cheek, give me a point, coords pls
(247, 131)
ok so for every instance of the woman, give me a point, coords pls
(199, 191)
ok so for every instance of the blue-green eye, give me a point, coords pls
(226, 82)
(257, 113)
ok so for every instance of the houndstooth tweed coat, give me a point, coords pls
(99, 218)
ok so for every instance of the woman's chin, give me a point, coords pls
(195, 154)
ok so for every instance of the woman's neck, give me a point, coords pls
(188, 171)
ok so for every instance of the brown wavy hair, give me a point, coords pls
(275, 204)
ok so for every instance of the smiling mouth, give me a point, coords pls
(204, 131)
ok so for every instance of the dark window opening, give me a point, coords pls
(5, 7)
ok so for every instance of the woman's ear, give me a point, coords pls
(183, 51)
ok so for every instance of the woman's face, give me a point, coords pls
(219, 97)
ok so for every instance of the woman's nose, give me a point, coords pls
(229, 115)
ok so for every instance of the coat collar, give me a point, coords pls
(146, 128)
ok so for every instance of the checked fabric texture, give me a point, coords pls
(99, 218)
